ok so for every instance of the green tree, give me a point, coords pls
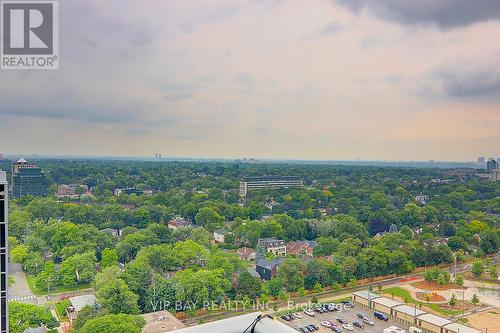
(489, 242)
(493, 272)
(475, 300)
(453, 301)
(160, 295)
(19, 253)
(209, 218)
(201, 286)
(249, 285)
(115, 297)
(79, 268)
(109, 258)
(291, 273)
(114, 323)
(274, 286)
(23, 316)
(318, 288)
(459, 280)
(47, 279)
(477, 268)
(85, 314)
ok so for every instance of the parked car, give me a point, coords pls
(285, 317)
(360, 315)
(358, 324)
(298, 315)
(326, 323)
(310, 313)
(368, 321)
(313, 326)
(342, 320)
(348, 327)
(303, 330)
(336, 329)
(381, 316)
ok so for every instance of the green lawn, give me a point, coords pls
(61, 309)
(405, 295)
(60, 289)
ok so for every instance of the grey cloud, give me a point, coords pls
(481, 82)
(462, 81)
(444, 13)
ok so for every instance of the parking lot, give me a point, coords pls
(348, 314)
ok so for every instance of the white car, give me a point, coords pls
(310, 313)
(298, 315)
(368, 321)
(326, 324)
(348, 327)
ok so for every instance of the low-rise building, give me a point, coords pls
(78, 303)
(300, 247)
(430, 323)
(113, 232)
(268, 269)
(275, 246)
(179, 223)
(128, 190)
(384, 305)
(219, 235)
(422, 199)
(160, 322)
(495, 175)
(407, 314)
(72, 191)
(459, 328)
(364, 298)
(246, 253)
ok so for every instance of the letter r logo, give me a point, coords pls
(27, 28)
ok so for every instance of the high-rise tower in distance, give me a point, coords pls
(28, 178)
(4, 322)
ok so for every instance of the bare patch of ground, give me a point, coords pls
(486, 320)
(434, 286)
(433, 297)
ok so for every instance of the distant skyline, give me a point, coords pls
(277, 79)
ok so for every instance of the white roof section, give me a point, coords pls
(22, 160)
(386, 302)
(409, 310)
(456, 327)
(3, 177)
(365, 294)
(239, 324)
(433, 319)
(78, 302)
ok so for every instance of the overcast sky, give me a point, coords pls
(299, 79)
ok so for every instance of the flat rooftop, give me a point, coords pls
(409, 310)
(365, 294)
(433, 319)
(386, 302)
(456, 327)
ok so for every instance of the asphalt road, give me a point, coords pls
(348, 314)
(20, 290)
